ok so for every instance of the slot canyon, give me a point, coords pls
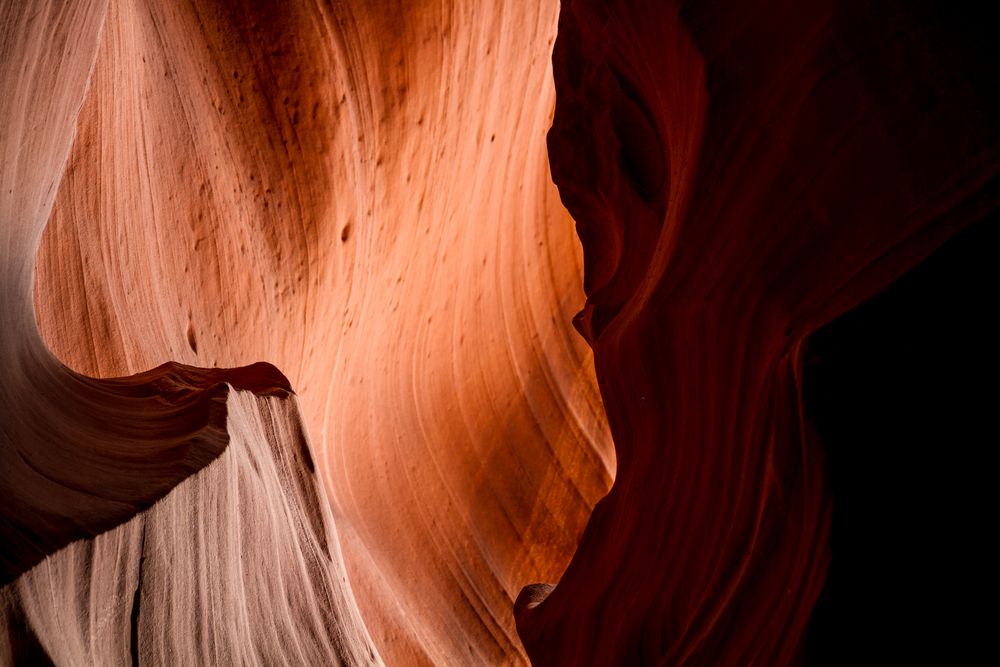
(454, 332)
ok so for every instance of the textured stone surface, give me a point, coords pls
(368, 196)
(357, 193)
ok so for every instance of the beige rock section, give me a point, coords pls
(141, 560)
(357, 193)
(238, 565)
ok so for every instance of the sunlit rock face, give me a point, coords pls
(359, 194)
(168, 517)
(350, 238)
(743, 173)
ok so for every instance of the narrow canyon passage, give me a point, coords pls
(457, 332)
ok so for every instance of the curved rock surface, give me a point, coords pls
(237, 561)
(359, 194)
(741, 174)
(238, 564)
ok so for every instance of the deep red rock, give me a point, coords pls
(741, 174)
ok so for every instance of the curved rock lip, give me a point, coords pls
(245, 546)
(179, 419)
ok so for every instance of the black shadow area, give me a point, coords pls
(903, 393)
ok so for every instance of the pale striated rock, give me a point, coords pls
(238, 564)
(358, 194)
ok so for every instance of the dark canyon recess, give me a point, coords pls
(799, 397)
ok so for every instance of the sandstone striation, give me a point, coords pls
(289, 368)
(357, 193)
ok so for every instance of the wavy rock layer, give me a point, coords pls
(238, 564)
(741, 174)
(358, 193)
(176, 513)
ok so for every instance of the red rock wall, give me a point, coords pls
(740, 174)
(361, 193)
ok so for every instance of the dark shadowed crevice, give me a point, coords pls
(23, 645)
(642, 153)
(902, 391)
(137, 600)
